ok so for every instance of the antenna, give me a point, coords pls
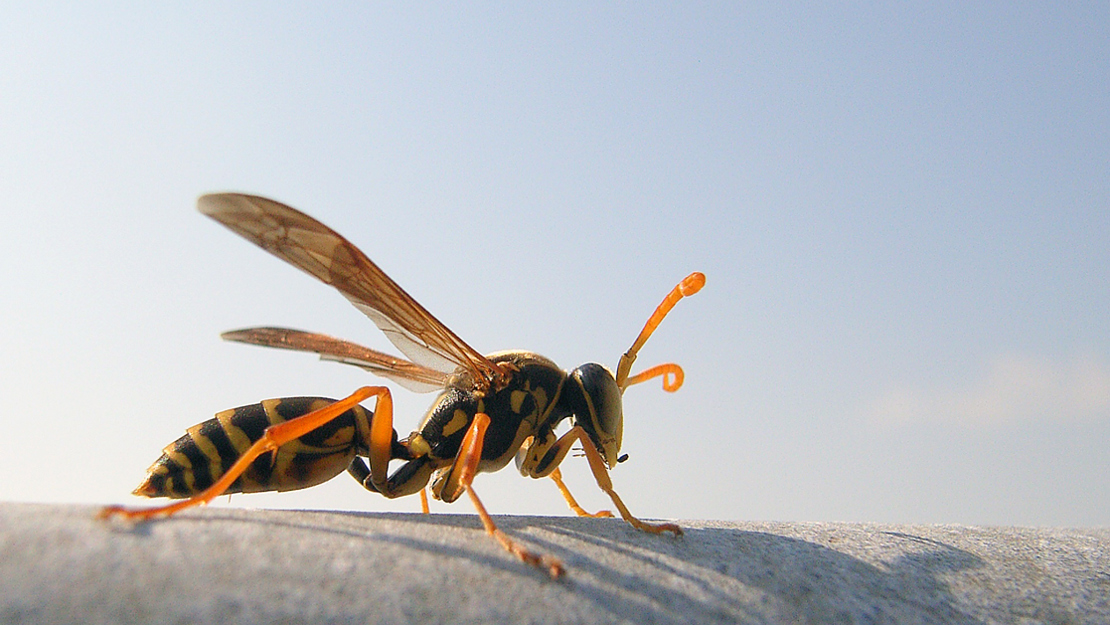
(690, 284)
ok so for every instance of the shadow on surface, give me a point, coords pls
(708, 574)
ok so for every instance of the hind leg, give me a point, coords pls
(274, 437)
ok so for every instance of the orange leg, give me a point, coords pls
(466, 466)
(381, 441)
(601, 475)
(275, 436)
(424, 501)
(557, 476)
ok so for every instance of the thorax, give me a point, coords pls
(516, 410)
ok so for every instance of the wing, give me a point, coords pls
(318, 250)
(410, 375)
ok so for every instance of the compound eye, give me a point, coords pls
(604, 418)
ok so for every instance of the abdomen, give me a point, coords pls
(196, 460)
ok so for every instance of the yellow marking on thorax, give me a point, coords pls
(516, 400)
(458, 421)
(523, 431)
(541, 399)
(418, 446)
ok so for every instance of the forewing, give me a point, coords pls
(313, 247)
(408, 374)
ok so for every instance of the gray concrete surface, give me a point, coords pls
(60, 565)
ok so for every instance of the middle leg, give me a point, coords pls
(557, 477)
(465, 468)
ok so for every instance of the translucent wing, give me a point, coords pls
(320, 251)
(410, 375)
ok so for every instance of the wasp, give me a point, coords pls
(490, 408)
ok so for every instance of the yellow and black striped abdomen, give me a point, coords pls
(196, 460)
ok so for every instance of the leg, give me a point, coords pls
(274, 437)
(466, 465)
(601, 476)
(410, 479)
(557, 476)
(379, 438)
(361, 473)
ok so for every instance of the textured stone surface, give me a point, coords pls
(58, 564)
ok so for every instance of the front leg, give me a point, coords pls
(559, 450)
(541, 457)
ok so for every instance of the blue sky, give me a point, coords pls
(902, 212)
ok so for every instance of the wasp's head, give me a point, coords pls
(597, 401)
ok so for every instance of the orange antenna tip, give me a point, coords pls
(691, 284)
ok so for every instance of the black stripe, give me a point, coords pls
(225, 449)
